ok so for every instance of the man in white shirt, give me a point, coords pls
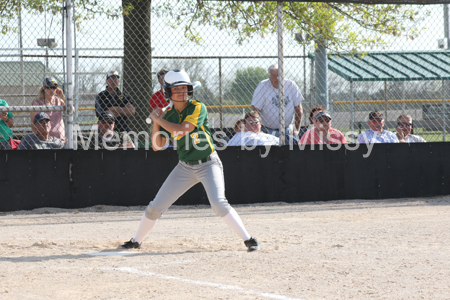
(404, 127)
(266, 102)
(250, 133)
(376, 133)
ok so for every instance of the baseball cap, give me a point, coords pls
(376, 114)
(111, 73)
(40, 116)
(49, 81)
(162, 72)
(323, 114)
(106, 116)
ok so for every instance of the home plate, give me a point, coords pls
(111, 253)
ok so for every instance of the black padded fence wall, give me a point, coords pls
(79, 178)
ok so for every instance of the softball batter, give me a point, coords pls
(187, 124)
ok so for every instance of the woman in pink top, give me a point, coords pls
(51, 95)
(322, 132)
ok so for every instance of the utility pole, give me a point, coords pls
(446, 27)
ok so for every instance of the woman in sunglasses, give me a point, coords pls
(404, 127)
(322, 132)
(51, 95)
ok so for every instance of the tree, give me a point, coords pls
(244, 84)
(84, 9)
(137, 73)
(331, 22)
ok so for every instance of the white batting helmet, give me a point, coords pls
(176, 78)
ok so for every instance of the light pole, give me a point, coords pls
(299, 38)
(47, 43)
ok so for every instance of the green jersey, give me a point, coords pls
(5, 131)
(197, 144)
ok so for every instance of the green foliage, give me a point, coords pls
(84, 9)
(244, 84)
(342, 25)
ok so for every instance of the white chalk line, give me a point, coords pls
(203, 283)
(171, 263)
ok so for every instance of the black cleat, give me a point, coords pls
(252, 244)
(131, 245)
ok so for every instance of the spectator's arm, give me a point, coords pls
(118, 111)
(298, 118)
(10, 122)
(7, 119)
(60, 94)
(127, 145)
(127, 142)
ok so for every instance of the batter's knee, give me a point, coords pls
(221, 209)
(152, 213)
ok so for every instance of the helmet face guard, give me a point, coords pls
(177, 78)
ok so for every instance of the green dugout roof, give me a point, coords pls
(391, 66)
(34, 71)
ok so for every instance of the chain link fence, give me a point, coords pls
(220, 48)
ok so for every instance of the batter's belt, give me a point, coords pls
(198, 162)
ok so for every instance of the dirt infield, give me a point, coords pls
(385, 249)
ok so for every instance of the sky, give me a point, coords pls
(104, 37)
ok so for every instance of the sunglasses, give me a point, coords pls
(324, 120)
(404, 124)
(53, 87)
(106, 121)
(253, 122)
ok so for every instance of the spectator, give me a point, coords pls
(158, 99)
(6, 122)
(107, 138)
(239, 125)
(116, 102)
(41, 139)
(238, 131)
(376, 133)
(265, 101)
(404, 127)
(322, 132)
(311, 122)
(250, 134)
(51, 95)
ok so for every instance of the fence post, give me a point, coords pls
(443, 110)
(385, 101)
(312, 85)
(281, 71)
(22, 79)
(220, 95)
(69, 81)
(352, 108)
